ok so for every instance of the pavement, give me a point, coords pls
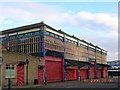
(69, 84)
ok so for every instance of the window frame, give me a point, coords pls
(10, 68)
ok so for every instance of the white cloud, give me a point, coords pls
(88, 19)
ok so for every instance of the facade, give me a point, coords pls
(115, 68)
(61, 56)
(14, 66)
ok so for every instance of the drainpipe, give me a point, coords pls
(88, 68)
(96, 74)
(89, 62)
(64, 70)
(88, 72)
(64, 59)
(96, 70)
(27, 71)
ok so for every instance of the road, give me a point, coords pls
(70, 84)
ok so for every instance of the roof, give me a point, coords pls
(22, 28)
(103, 65)
(78, 63)
(26, 27)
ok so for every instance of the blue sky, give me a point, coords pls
(110, 7)
(95, 22)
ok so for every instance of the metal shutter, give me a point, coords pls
(99, 73)
(105, 72)
(20, 75)
(40, 76)
(71, 74)
(54, 70)
(92, 72)
(83, 73)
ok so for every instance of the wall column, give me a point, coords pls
(102, 72)
(96, 71)
(64, 70)
(42, 30)
(65, 63)
(7, 40)
(79, 73)
(88, 72)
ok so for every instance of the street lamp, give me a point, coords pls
(9, 79)
(27, 62)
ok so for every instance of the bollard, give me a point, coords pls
(9, 84)
(45, 83)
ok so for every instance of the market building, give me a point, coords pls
(39, 54)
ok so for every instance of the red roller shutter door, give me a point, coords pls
(92, 72)
(83, 73)
(99, 73)
(20, 74)
(105, 72)
(71, 74)
(40, 76)
(54, 71)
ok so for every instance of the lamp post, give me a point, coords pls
(9, 79)
(27, 62)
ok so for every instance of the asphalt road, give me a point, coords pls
(71, 84)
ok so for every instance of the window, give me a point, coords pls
(70, 41)
(74, 42)
(10, 71)
(51, 34)
(12, 37)
(47, 33)
(27, 34)
(56, 36)
(37, 32)
(79, 44)
(3, 38)
(91, 48)
(60, 37)
(66, 40)
(20, 35)
(0, 39)
(83, 45)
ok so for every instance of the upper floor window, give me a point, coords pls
(47, 33)
(12, 37)
(60, 37)
(20, 35)
(91, 48)
(56, 36)
(51, 34)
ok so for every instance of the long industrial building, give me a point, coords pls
(39, 54)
